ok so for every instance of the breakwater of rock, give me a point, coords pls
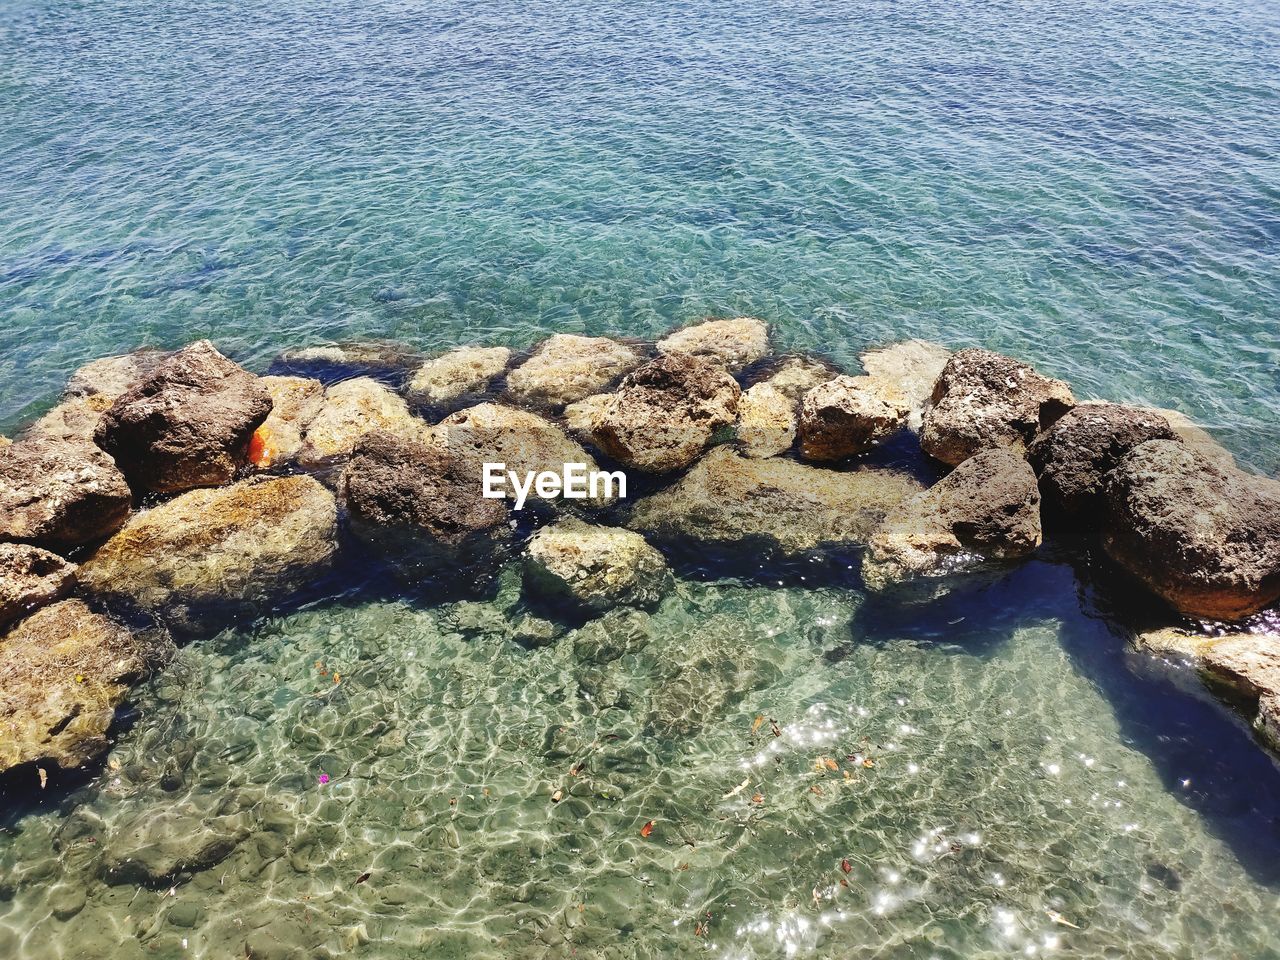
(168, 492)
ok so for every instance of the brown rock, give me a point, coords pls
(983, 399)
(60, 494)
(664, 415)
(187, 424)
(595, 567)
(567, 368)
(796, 376)
(31, 578)
(109, 377)
(849, 415)
(75, 418)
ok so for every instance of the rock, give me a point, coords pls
(766, 421)
(63, 671)
(1201, 535)
(31, 578)
(187, 424)
(595, 567)
(109, 377)
(458, 373)
(913, 366)
(615, 634)
(350, 410)
(796, 376)
(415, 496)
(494, 433)
(295, 401)
(239, 549)
(383, 360)
(728, 499)
(849, 415)
(5, 442)
(583, 417)
(1196, 437)
(567, 368)
(1074, 455)
(983, 399)
(984, 513)
(76, 418)
(155, 849)
(60, 494)
(728, 344)
(665, 414)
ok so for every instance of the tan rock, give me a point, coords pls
(111, 376)
(567, 368)
(31, 578)
(240, 547)
(63, 671)
(295, 401)
(730, 344)
(583, 417)
(730, 499)
(913, 366)
(595, 567)
(75, 418)
(460, 372)
(796, 376)
(349, 411)
(766, 421)
(849, 415)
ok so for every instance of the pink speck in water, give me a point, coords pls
(324, 778)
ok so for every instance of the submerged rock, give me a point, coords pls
(75, 418)
(161, 849)
(849, 415)
(567, 368)
(912, 366)
(419, 499)
(1074, 455)
(595, 567)
(731, 499)
(984, 399)
(383, 360)
(729, 344)
(796, 376)
(63, 671)
(524, 441)
(350, 410)
(111, 376)
(766, 421)
(60, 494)
(984, 513)
(665, 414)
(238, 548)
(295, 401)
(187, 424)
(458, 373)
(31, 578)
(1201, 535)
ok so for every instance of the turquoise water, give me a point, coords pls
(1092, 187)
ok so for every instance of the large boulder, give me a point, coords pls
(983, 399)
(728, 499)
(349, 411)
(295, 401)
(416, 498)
(60, 494)
(913, 366)
(594, 567)
(63, 671)
(665, 414)
(31, 578)
(523, 441)
(235, 549)
(458, 373)
(567, 368)
(1202, 535)
(1074, 455)
(728, 344)
(187, 424)
(849, 415)
(979, 517)
(766, 421)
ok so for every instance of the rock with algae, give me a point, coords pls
(595, 567)
(849, 415)
(456, 374)
(566, 368)
(63, 671)
(31, 578)
(729, 344)
(351, 409)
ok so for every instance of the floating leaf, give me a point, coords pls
(1060, 919)
(363, 877)
(777, 730)
(646, 829)
(757, 723)
(868, 762)
(737, 790)
(846, 866)
(757, 798)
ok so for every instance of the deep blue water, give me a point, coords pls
(1093, 187)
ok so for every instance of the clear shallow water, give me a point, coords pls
(1094, 189)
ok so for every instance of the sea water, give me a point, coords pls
(766, 766)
